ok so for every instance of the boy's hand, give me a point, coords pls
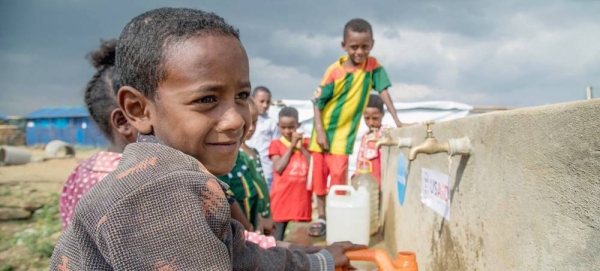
(338, 249)
(267, 225)
(297, 139)
(401, 124)
(322, 139)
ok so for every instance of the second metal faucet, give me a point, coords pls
(387, 140)
(431, 145)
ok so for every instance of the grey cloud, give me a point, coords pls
(43, 44)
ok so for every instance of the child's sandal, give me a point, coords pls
(318, 228)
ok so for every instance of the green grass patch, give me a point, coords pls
(31, 243)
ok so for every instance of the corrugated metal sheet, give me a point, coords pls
(69, 124)
(59, 112)
(80, 131)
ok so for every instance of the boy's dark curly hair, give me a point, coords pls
(357, 25)
(145, 41)
(259, 89)
(375, 101)
(100, 91)
(289, 111)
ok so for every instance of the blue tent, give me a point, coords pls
(70, 124)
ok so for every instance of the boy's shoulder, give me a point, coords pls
(336, 70)
(371, 60)
(141, 165)
(275, 145)
(137, 192)
(372, 63)
(277, 141)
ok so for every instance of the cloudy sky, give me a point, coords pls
(506, 53)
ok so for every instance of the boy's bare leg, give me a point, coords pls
(318, 228)
(321, 203)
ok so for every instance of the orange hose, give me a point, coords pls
(406, 260)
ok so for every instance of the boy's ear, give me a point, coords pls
(343, 44)
(136, 108)
(120, 123)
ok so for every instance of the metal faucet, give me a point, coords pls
(387, 140)
(431, 145)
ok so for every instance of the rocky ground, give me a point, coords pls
(29, 219)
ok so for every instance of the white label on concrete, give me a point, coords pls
(435, 192)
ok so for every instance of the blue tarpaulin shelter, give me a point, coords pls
(69, 124)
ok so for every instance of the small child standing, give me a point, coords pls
(241, 186)
(264, 223)
(368, 153)
(101, 102)
(291, 201)
(339, 103)
(266, 130)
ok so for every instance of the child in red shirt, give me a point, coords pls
(373, 116)
(290, 199)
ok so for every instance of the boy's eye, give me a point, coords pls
(354, 47)
(207, 99)
(243, 95)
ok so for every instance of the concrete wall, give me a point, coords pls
(528, 198)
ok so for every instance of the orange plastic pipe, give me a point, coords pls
(406, 260)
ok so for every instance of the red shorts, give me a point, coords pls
(324, 165)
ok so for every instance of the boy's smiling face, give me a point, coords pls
(201, 104)
(358, 45)
(262, 99)
(287, 126)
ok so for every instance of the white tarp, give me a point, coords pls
(437, 111)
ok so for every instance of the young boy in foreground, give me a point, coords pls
(185, 85)
(339, 103)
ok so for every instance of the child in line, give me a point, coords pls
(105, 112)
(248, 186)
(266, 130)
(368, 153)
(242, 188)
(252, 160)
(338, 105)
(184, 80)
(289, 196)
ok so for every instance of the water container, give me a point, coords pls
(348, 215)
(365, 179)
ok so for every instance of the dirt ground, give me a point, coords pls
(32, 190)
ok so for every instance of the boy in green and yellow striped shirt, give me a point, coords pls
(339, 103)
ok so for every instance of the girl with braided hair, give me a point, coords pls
(102, 105)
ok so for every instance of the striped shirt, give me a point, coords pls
(342, 97)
